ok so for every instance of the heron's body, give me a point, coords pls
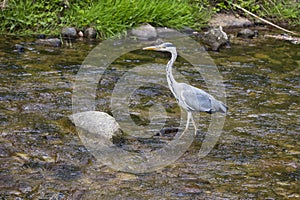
(190, 98)
(195, 99)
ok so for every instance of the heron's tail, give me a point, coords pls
(222, 107)
(218, 106)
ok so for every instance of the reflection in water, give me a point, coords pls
(257, 156)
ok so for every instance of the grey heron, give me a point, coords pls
(190, 98)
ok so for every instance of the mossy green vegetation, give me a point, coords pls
(114, 17)
(28, 17)
(109, 17)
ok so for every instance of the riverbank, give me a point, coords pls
(112, 18)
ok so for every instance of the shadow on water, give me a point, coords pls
(257, 156)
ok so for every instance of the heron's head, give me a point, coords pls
(162, 47)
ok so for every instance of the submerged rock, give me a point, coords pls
(247, 33)
(53, 42)
(19, 48)
(144, 32)
(90, 33)
(215, 38)
(69, 33)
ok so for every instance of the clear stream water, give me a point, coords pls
(256, 157)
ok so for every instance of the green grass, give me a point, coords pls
(28, 17)
(281, 11)
(109, 17)
(114, 17)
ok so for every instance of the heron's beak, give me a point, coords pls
(150, 48)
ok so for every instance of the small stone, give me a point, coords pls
(247, 33)
(145, 32)
(53, 42)
(90, 33)
(80, 34)
(19, 48)
(69, 33)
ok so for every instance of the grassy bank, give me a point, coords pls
(112, 17)
(109, 17)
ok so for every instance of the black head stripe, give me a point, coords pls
(168, 45)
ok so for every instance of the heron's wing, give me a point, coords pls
(196, 99)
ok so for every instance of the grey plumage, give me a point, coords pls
(198, 100)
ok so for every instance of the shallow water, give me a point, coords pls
(256, 157)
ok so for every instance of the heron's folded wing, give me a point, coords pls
(197, 99)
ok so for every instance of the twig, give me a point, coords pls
(270, 23)
(293, 40)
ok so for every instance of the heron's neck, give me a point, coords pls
(170, 77)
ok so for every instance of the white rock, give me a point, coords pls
(97, 123)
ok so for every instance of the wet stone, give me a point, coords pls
(247, 33)
(19, 48)
(69, 33)
(52, 42)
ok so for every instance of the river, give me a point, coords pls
(256, 156)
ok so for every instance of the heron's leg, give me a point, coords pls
(187, 124)
(194, 124)
(189, 115)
